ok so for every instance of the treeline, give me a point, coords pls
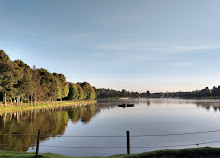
(111, 93)
(81, 91)
(21, 83)
(204, 93)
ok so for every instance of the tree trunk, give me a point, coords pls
(31, 100)
(28, 99)
(21, 100)
(5, 100)
(17, 101)
(35, 99)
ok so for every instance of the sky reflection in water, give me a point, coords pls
(149, 116)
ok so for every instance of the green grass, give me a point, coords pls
(10, 154)
(44, 105)
(204, 152)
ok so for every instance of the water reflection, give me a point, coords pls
(113, 103)
(126, 105)
(208, 105)
(148, 102)
(52, 122)
(146, 117)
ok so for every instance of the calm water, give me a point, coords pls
(148, 116)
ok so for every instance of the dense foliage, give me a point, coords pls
(111, 93)
(204, 93)
(81, 91)
(21, 83)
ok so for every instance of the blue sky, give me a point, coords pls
(139, 45)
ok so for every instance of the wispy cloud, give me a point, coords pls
(158, 47)
(182, 64)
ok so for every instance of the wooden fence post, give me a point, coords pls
(128, 142)
(38, 142)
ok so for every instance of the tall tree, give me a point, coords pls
(81, 93)
(73, 92)
(8, 80)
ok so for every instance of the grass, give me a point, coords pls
(10, 154)
(44, 105)
(204, 152)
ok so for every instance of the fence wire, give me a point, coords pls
(122, 136)
(160, 146)
(146, 135)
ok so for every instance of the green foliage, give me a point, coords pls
(19, 82)
(65, 90)
(8, 80)
(89, 91)
(3, 56)
(111, 93)
(81, 93)
(73, 92)
(205, 93)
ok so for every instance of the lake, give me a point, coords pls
(63, 129)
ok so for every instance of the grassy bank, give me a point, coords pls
(44, 105)
(205, 152)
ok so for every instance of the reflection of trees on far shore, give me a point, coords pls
(208, 105)
(52, 122)
(114, 103)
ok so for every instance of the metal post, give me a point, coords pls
(38, 142)
(128, 142)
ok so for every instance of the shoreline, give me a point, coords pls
(55, 104)
(205, 152)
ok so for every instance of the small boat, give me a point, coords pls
(130, 105)
(122, 105)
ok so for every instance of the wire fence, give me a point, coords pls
(147, 135)
(127, 136)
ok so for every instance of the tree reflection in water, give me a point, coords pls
(52, 122)
(208, 105)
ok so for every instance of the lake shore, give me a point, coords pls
(45, 105)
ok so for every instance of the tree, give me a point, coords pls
(21, 83)
(3, 56)
(8, 80)
(89, 92)
(37, 89)
(73, 92)
(81, 93)
(124, 93)
(65, 91)
(148, 93)
(28, 86)
(92, 93)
